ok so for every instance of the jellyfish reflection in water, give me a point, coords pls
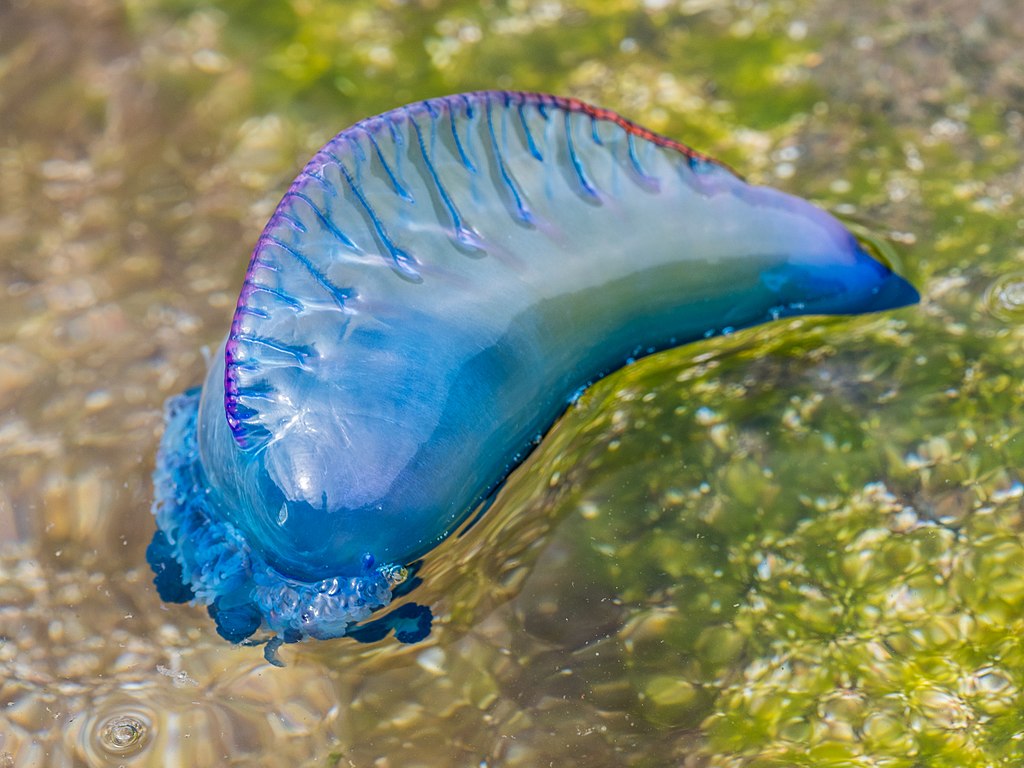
(433, 290)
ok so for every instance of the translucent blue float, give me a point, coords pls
(433, 290)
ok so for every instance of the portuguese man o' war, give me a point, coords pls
(433, 290)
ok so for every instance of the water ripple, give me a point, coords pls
(1005, 297)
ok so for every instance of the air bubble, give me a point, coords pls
(124, 735)
(1005, 297)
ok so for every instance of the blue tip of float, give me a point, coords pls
(892, 293)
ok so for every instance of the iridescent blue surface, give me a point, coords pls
(433, 290)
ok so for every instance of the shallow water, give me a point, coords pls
(797, 545)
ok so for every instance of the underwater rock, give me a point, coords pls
(433, 290)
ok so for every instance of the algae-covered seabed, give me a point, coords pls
(795, 546)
